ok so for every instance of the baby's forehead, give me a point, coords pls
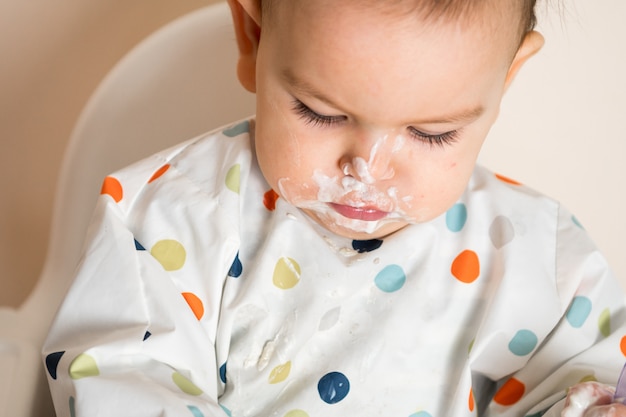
(465, 13)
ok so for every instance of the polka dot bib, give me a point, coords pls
(233, 302)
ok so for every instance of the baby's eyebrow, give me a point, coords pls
(306, 88)
(462, 116)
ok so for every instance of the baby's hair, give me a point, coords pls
(448, 10)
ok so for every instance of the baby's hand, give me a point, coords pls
(592, 399)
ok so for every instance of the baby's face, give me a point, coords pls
(371, 122)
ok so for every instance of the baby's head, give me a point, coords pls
(371, 113)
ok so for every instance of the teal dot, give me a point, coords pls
(390, 279)
(226, 410)
(195, 411)
(523, 342)
(238, 129)
(72, 404)
(577, 222)
(421, 414)
(456, 217)
(578, 311)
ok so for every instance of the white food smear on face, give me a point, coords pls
(354, 191)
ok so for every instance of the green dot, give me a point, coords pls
(233, 177)
(83, 366)
(185, 385)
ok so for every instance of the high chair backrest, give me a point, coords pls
(178, 83)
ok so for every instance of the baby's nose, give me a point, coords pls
(371, 161)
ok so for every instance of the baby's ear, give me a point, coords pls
(247, 22)
(532, 43)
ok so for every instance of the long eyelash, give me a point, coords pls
(313, 118)
(441, 139)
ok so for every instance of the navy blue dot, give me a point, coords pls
(139, 246)
(236, 268)
(223, 372)
(52, 362)
(146, 335)
(333, 387)
(362, 246)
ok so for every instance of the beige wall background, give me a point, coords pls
(54, 53)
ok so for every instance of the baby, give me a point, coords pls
(341, 254)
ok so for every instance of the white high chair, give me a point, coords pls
(176, 84)
(181, 82)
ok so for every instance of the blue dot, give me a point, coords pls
(390, 279)
(523, 342)
(456, 217)
(139, 246)
(238, 129)
(362, 246)
(578, 311)
(195, 411)
(223, 372)
(333, 387)
(236, 268)
(421, 414)
(52, 362)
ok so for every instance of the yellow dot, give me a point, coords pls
(185, 385)
(83, 366)
(588, 378)
(280, 373)
(604, 322)
(286, 273)
(233, 178)
(170, 254)
(296, 413)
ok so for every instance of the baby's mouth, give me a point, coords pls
(368, 214)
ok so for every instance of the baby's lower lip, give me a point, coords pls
(359, 213)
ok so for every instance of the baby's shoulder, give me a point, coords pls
(494, 192)
(210, 164)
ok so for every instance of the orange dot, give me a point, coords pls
(622, 345)
(269, 200)
(112, 187)
(466, 267)
(195, 304)
(510, 393)
(470, 401)
(507, 180)
(159, 172)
